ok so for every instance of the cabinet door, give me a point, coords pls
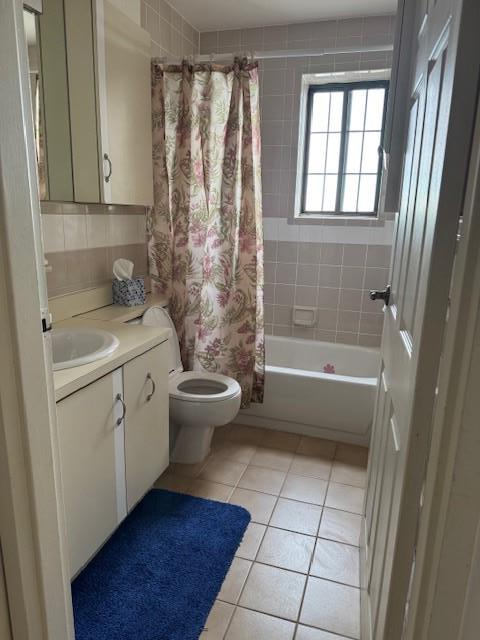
(124, 95)
(145, 382)
(92, 466)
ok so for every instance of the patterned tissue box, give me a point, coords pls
(129, 293)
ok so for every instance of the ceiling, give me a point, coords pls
(212, 15)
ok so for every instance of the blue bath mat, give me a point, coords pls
(159, 574)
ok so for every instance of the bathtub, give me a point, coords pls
(317, 388)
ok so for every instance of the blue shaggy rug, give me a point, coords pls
(159, 574)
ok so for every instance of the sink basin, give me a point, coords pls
(74, 347)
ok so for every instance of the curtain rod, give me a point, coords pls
(287, 53)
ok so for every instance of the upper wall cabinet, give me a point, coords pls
(95, 68)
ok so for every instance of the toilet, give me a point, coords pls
(199, 401)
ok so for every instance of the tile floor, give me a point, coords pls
(296, 573)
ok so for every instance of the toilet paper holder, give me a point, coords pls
(304, 316)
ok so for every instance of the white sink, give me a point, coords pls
(74, 347)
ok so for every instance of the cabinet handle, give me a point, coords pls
(150, 395)
(106, 157)
(124, 407)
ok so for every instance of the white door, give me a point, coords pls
(424, 246)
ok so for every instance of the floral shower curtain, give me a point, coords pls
(205, 229)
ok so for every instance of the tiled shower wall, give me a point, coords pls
(82, 241)
(329, 265)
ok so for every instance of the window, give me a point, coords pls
(343, 133)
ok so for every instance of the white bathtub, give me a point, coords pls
(317, 388)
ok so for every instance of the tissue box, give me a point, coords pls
(128, 293)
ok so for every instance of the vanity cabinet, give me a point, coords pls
(97, 104)
(113, 438)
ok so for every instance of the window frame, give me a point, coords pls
(346, 88)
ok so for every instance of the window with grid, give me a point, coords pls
(344, 132)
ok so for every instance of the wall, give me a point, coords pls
(170, 33)
(329, 265)
(82, 241)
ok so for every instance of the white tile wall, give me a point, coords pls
(279, 229)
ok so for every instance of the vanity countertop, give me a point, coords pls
(134, 340)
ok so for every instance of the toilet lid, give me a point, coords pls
(157, 316)
(197, 386)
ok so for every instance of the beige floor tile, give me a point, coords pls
(273, 591)
(345, 497)
(260, 479)
(308, 633)
(352, 454)
(286, 550)
(331, 607)
(223, 431)
(272, 459)
(310, 490)
(246, 434)
(252, 539)
(281, 440)
(340, 526)
(260, 505)
(172, 482)
(210, 490)
(296, 516)
(347, 473)
(234, 580)
(187, 470)
(336, 561)
(313, 466)
(233, 451)
(251, 625)
(217, 621)
(317, 447)
(223, 471)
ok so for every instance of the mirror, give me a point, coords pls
(31, 33)
(47, 54)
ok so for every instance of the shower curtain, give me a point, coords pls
(205, 228)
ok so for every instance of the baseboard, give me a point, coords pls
(302, 429)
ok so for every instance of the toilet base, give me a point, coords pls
(192, 444)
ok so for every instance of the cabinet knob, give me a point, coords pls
(150, 395)
(124, 407)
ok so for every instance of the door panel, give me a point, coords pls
(146, 426)
(413, 328)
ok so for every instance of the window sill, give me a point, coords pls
(311, 218)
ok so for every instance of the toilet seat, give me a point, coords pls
(196, 386)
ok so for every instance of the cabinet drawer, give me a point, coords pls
(145, 381)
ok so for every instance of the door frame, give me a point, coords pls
(32, 528)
